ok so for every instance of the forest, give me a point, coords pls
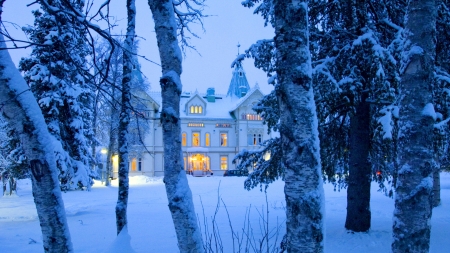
(360, 95)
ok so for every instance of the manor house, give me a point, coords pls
(214, 128)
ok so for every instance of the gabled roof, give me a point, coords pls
(244, 98)
(196, 95)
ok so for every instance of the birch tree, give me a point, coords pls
(178, 192)
(124, 118)
(22, 112)
(298, 128)
(413, 199)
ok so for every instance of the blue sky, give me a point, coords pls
(229, 24)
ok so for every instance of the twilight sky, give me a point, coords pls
(229, 24)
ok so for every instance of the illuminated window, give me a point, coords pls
(196, 109)
(195, 139)
(183, 139)
(223, 139)
(250, 116)
(207, 142)
(115, 163)
(133, 164)
(223, 162)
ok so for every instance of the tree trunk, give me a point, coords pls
(178, 192)
(436, 188)
(124, 119)
(23, 114)
(298, 128)
(360, 172)
(413, 198)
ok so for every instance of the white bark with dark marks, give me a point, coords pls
(21, 110)
(413, 196)
(124, 119)
(298, 128)
(178, 192)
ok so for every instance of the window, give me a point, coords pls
(224, 162)
(195, 139)
(254, 139)
(207, 141)
(133, 164)
(140, 164)
(223, 139)
(251, 116)
(183, 139)
(196, 109)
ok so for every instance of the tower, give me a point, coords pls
(239, 85)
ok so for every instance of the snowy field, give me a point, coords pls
(91, 216)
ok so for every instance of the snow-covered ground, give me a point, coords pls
(91, 217)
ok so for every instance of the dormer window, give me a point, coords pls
(196, 109)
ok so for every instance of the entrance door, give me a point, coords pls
(199, 162)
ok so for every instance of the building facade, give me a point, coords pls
(214, 129)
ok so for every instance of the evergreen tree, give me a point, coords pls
(57, 75)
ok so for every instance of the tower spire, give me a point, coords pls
(238, 46)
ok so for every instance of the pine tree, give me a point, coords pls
(57, 75)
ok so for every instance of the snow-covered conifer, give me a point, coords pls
(56, 72)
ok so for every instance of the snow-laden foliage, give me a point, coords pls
(354, 57)
(13, 161)
(266, 163)
(57, 74)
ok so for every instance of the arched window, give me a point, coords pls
(259, 138)
(207, 140)
(183, 139)
(200, 109)
(196, 139)
(192, 109)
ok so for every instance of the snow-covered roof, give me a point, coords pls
(244, 98)
(220, 109)
(239, 83)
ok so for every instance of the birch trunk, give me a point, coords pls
(20, 109)
(298, 128)
(124, 119)
(178, 192)
(413, 198)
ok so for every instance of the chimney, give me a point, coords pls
(210, 95)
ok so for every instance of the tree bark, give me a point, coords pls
(298, 128)
(436, 188)
(413, 198)
(360, 172)
(20, 109)
(178, 192)
(124, 119)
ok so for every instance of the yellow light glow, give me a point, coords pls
(104, 151)
(115, 162)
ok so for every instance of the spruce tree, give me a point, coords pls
(57, 75)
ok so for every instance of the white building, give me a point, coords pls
(214, 128)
